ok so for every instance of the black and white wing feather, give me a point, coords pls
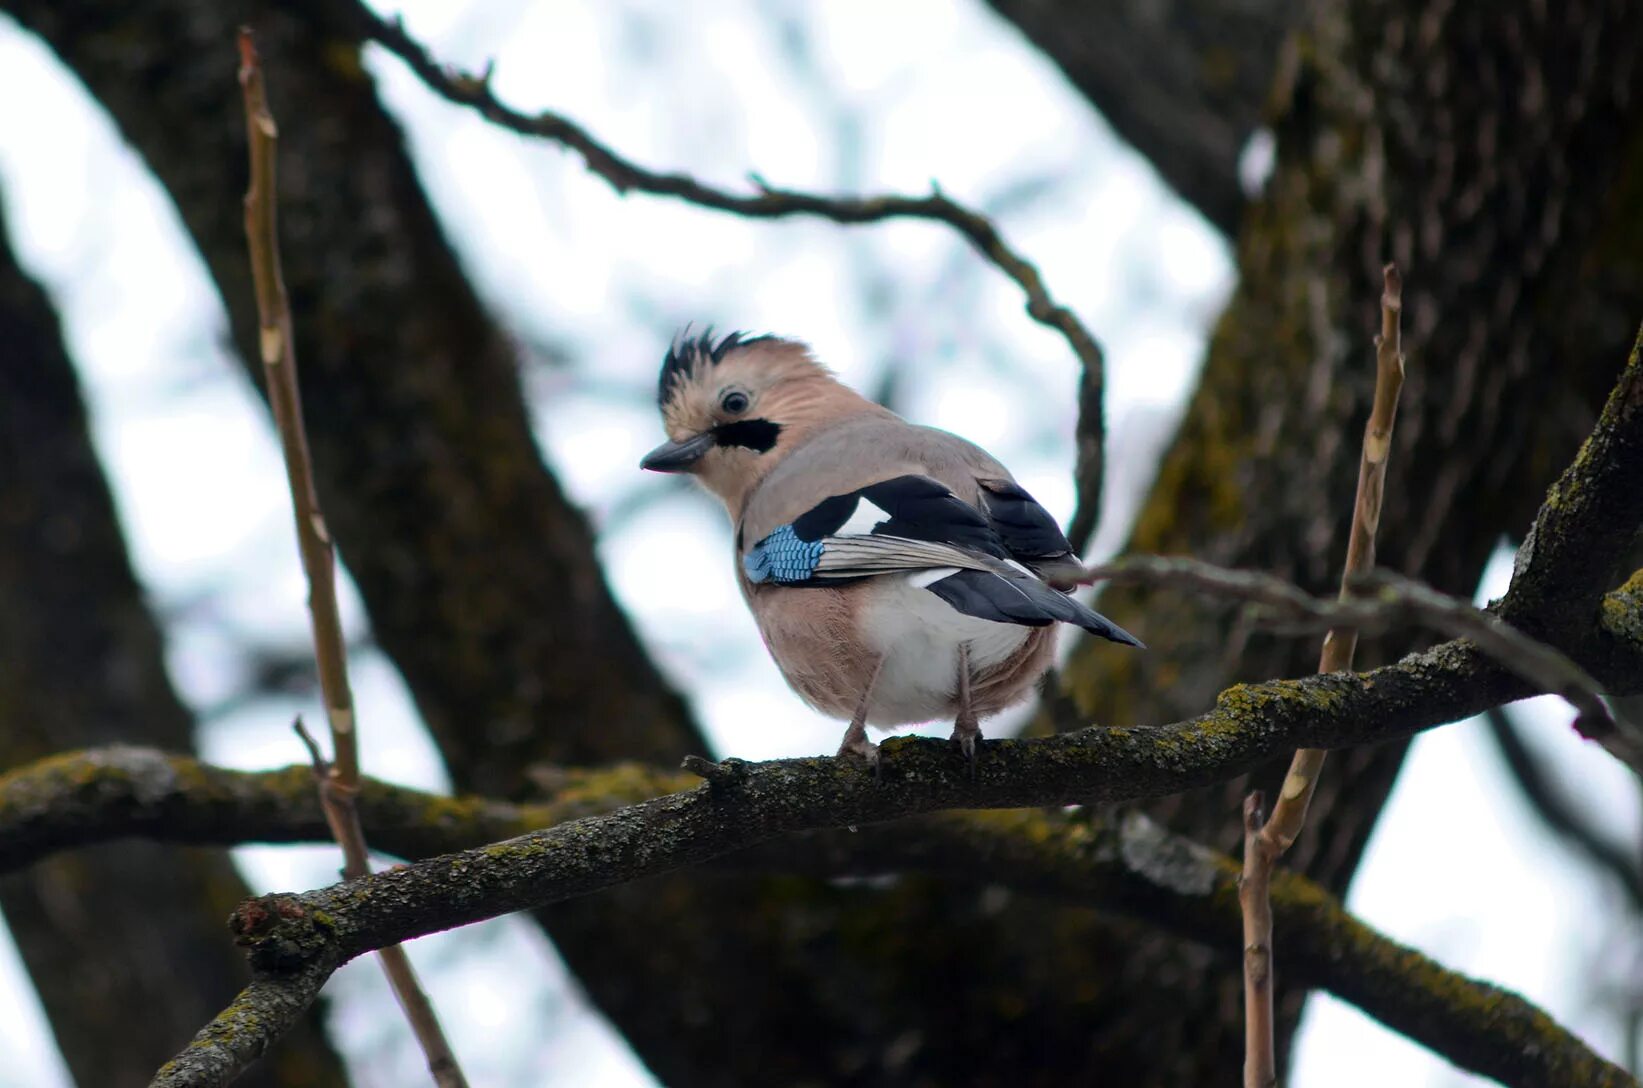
(907, 523)
(1028, 532)
(975, 561)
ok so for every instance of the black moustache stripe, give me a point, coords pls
(758, 435)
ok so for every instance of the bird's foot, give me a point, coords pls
(966, 731)
(857, 746)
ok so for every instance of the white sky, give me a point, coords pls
(1457, 867)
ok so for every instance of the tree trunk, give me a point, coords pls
(126, 944)
(1493, 152)
(1185, 82)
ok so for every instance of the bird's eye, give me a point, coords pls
(734, 402)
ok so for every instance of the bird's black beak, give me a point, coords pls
(678, 456)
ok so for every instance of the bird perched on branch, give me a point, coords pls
(897, 573)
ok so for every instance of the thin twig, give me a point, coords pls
(1377, 599)
(337, 782)
(1089, 458)
(1255, 905)
(1264, 844)
(1533, 660)
(770, 202)
(1289, 812)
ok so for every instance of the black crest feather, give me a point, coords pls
(686, 351)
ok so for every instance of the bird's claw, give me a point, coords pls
(965, 735)
(861, 748)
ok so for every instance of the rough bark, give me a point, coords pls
(1183, 81)
(1497, 155)
(124, 942)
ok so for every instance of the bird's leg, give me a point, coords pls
(855, 737)
(966, 727)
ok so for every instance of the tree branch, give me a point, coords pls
(1089, 465)
(768, 202)
(1586, 531)
(760, 801)
(1395, 599)
(1137, 868)
(84, 797)
(1265, 840)
(95, 795)
(336, 782)
(1132, 866)
(265, 1010)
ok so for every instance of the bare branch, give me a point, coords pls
(1263, 844)
(336, 783)
(1255, 906)
(1395, 599)
(1089, 466)
(767, 202)
(279, 362)
(1535, 661)
(1289, 811)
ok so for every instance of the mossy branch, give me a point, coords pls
(1585, 533)
(292, 933)
(1584, 536)
(269, 1006)
(1132, 866)
(100, 794)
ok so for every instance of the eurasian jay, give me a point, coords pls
(897, 573)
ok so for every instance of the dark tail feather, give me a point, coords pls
(1097, 624)
(1022, 599)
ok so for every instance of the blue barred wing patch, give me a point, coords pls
(782, 557)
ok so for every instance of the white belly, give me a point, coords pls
(919, 635)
